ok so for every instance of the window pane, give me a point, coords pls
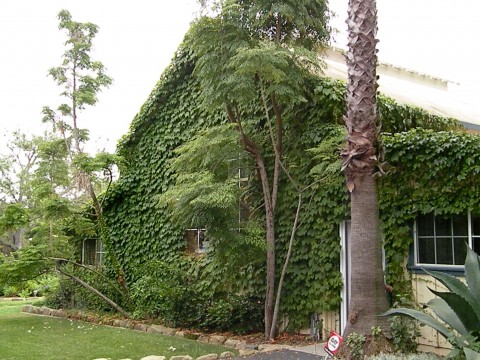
(476, 245)
(460, 225)
(476, 224)
(444, 251)
(426, 251)
(89, 252)
(425, 225)
(443, 226)
(200, 239)
(191, 238)
(460, 250)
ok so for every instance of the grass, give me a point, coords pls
(11, 307)
(33, 337)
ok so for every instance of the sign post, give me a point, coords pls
(333, 344)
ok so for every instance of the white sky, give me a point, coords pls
(137, 40)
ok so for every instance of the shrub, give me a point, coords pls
(404, 331)
(355, 343)
(67, 294)
(165, 292)
(11, 291)
(240, 314)
(168, 293)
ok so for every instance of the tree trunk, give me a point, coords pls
(368, 298)
(270, 233)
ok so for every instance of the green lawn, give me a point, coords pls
(33, 337)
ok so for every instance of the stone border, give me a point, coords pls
(240, 345)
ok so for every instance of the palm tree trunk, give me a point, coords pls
(368, 298)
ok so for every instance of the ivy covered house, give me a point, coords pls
(429, 198)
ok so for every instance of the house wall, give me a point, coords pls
(430, 340)
(331, 322)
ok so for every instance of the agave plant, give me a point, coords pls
(458, 309)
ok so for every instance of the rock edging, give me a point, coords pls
(239, 345)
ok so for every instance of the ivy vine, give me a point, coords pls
(141, 230)
(428, 171)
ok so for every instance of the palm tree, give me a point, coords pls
(367, 290)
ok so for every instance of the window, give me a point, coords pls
(440, 240)
(93, 252)
(196, 243)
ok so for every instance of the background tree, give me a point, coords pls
(257, 52)
(17, 166)
(65, 180)
(81, 79)
(368, 298)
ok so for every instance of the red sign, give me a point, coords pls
(333, 343)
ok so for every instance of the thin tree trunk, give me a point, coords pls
(276, 310)
(270, 230)
(95, 291)
(250, 147)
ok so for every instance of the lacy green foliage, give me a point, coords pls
(13, 217)
(174, 113)
(427, 171)
(206, 192)
(23, 265)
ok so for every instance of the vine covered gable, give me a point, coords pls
(141, 230)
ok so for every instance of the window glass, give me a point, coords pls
(425, 225)
(426, 250)
(475, 224)
(460, 250)
(195, 239)
(441, 240)
(476, 244)
(443, 226)
(89, 252)
(444, 249)
(460, 225)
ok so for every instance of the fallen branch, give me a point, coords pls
(94, 291)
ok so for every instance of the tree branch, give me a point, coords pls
(90, 269)
(13, 247)
(94, 291)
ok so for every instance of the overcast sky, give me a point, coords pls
(137, 40)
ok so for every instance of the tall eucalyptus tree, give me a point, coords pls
(367, 290)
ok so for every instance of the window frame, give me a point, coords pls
(205, 243)
(98, 253)
(451, 267)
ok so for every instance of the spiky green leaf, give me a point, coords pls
(472, 273)
(462, 309)
(456, 286)
(446, 314)
(423, 318)
(471, 355)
